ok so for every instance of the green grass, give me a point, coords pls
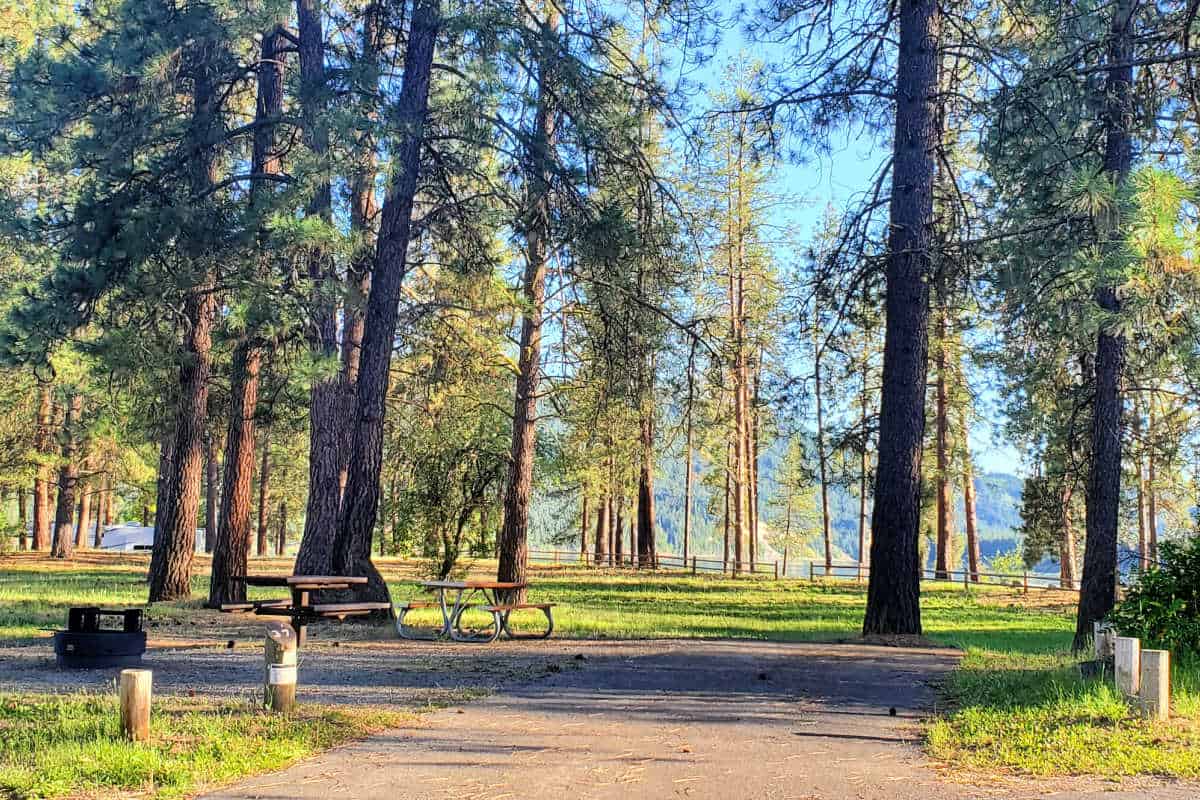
(1016, 704)
(1033, 714)
(70, 745)
(622, 605)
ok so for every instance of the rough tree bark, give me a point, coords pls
(360, 508)
(210, 493)
(822, 459)
(44, 476)
(233, 539)
(942, 564)
(893, 592)
(600, 549)
(1098, 593)
(68, 480)
(326, 413)
(22, 521)
(83, 524)
(864, 467)
(264, 493)
(1066, 554)
(647, 552)
(974, 559)
(363, 213)
(514, 534)
(175, 520)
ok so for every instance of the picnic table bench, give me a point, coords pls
(493, 594)
(300, 609)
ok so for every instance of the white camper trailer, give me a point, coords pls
(131, 538)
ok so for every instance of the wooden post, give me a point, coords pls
(1102, 640)
(966, 574)
(776, 570)
(693, 565)
(1026, 581)
(1127, 665)
(556, 556)
(1155, 684)
(279, 679)
(812, 572)
(135, 704)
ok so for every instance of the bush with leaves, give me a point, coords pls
(1163, 607)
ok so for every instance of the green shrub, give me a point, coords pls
(1163, 607)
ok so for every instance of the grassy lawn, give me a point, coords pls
(70, 745)
(1017, 704)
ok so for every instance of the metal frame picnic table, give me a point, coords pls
(464, 591)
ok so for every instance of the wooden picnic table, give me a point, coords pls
(300, 609)
(493, 594)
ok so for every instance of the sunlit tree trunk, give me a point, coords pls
(513, 544)
(893, 592)
(175, 519)
(360, 506)
(44, 474)
(1098, 593)
(68, 481)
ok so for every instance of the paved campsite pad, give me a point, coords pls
(698, 719)
(644, 719)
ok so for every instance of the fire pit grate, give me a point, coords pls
(87, 645)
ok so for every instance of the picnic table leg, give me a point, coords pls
(299, 601)
(447, 629)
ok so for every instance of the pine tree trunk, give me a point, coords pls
(974, 559)
(600, 551)
(360, 507)
(175, 520)
(822, 462)
(646, 523)
(1098, 593)
(725, 518)
(363, 213)
(1151, 490)
(942, 563)
(233, 539)
(618, 540)
(327, 397)
(1066, 556)
(583, 525)
(44, 475)
(514, 535)
(688, 460)
(753, 451)
(893, 592)
(1140, 466)
(68, 481)
(83, 526)
(23, 521)
(264, 491)
(281, 538)
(210, 493)
(864, 467)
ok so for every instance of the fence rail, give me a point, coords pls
(816, 569)
(1025, 580)
(693, 564)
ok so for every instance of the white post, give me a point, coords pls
(1127, 665)
(1156, 684)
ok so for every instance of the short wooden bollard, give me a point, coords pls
(135, 704)
(1127, 666)
(1102, 640)
(279, 651)
(1155, 685)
